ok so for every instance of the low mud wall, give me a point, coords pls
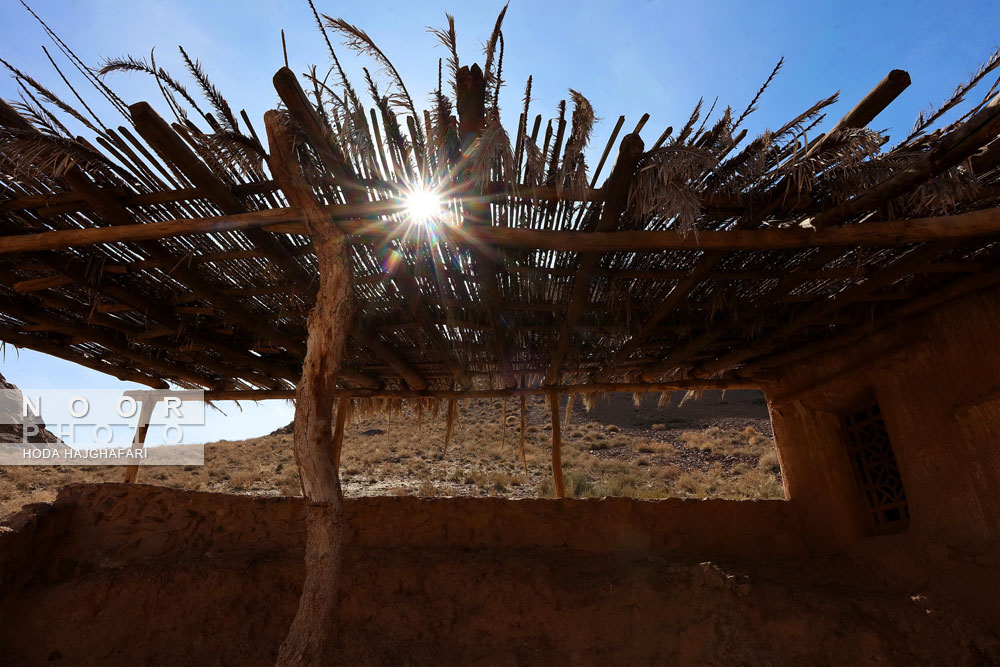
(118, 523)
(125, 575)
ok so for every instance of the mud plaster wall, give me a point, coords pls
(936, 380)
(113, 575)
(118, 524)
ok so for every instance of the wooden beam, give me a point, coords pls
(697, 384)
(970, 225)
(616, 196)
(870, 106)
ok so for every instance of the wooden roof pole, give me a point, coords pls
(952, 290)
(616, 196)
(168, 144)
(168, 316)
(311, 636)
(973, 224)
(705, 384)
(471, 107)
(291, 93)
(20, 339)
(887, 90)
(557, 473)
(786, 284)
(961, 143)
(108, 207)
(23, 309)
(899, 268)
(84, 331)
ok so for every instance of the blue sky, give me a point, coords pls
(625, 57)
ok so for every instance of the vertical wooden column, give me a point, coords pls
(146, 406)
(557, 475)
(312, 636)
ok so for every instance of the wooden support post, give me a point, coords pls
(449, 429)
(520, 442)
(312, 636)
(503, 417)
(146, 406)
(557, 475)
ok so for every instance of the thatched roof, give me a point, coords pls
(166, 253)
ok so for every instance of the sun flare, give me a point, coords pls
(423, 207)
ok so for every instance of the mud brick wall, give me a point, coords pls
(937, 382)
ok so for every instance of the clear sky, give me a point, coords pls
(625, 57)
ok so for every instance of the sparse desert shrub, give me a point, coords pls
(578, 485)
(611, 428)
(769, 462)
(659, 427)
(621, 486)
(427, 489)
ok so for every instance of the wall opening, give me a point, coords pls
(876, 469)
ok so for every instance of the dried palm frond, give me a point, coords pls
(31, 153)
(233, 149)
(211, 92)
(664, 185)
(719, 139)
(349, 95)
(841, 150)
(573, 174)
(449, 39)
(926, 118)
(691, 394)
(41, 118)
(490, 50)
(744, 168)
(50, 96)
(491, 156)
(129, 63)
(756, 98)
(689, 126)
(360, 42)
(498, 84)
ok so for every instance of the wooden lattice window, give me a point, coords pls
(877, 470)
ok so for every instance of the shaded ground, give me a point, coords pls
(711, 447)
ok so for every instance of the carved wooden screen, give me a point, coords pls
(877, 470)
